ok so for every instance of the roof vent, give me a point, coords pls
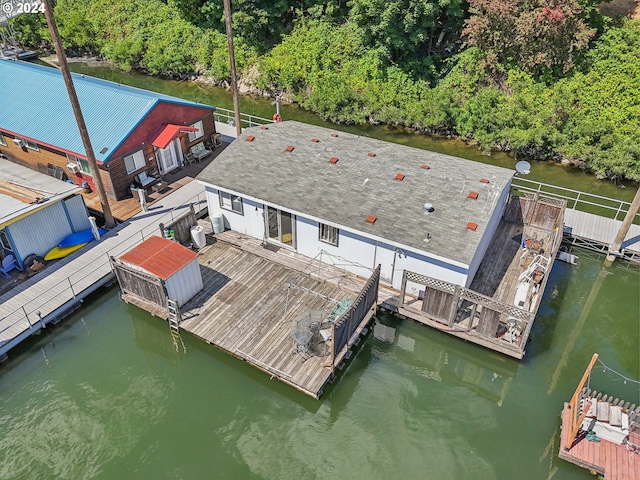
(104, 150)
(264, 127)
(250, 138)
(371, 154)
(334, 134)
(428, 208)
(289, 148)
(426, 167)
(427, 238)
(315, 140)
(472, 226)
(473, 195)
(371, 219)
(484, 180)
(333, 160)
(400, 176)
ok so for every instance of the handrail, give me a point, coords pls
(67, 283)
(575, 198)
(246, 119)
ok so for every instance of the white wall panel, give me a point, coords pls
(78, 213)
(185, 283)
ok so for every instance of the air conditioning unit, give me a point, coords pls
(73, 167)
(18, 142)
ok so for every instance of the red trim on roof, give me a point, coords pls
(159, 256)
(52, 147)
(169, 133)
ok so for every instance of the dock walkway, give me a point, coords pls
(59, 288)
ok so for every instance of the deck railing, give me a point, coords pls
(30, 311)
(577, 200)
(224, 115)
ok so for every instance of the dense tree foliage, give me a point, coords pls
(527, 75)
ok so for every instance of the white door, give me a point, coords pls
(168, 157)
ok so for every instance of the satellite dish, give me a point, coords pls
(523, 167)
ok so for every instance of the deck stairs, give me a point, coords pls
(540, 262)
(174, 324)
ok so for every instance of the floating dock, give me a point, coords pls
(273, 315)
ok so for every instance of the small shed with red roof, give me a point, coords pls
(159, 269)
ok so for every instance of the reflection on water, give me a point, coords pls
(486, 374)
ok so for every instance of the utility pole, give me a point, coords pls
(75, 105)
(232, 63)
(614, 248)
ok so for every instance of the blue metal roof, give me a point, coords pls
(34, 103)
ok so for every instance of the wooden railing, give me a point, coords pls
(30, 311)
(577, 200)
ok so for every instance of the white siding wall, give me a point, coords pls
(494, 221)
(41, 231)
(78, 214)
(361, 254)
(185, 283)
(251, 222)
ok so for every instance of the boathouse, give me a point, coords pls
(357, 201)
(159, 270)
(137, 135)
(36, 211)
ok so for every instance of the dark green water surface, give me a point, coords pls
(105, 395)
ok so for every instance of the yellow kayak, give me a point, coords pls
(61, 252)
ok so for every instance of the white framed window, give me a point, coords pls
(134, 162)
(328, 234)
(3, 142)
(84, 165)
(231, 202)
(198, 134)
(31, 145)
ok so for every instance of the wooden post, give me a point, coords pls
(232, 64)
(614, 248)
(403, 289)
(454, 307)
(575, 422)
(75, 105)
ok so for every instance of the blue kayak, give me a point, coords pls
(83, 236)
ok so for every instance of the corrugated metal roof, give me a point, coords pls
(359, 185)
(35, 105)
(159, 256)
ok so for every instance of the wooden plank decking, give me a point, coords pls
(247, 308)
(615, 462)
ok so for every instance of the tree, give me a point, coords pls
(536, 35)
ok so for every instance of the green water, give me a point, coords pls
(547, 172)
(105, 395)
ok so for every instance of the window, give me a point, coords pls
(31, 145)
(198, 134)
(134, 161)
(3, 142)
(84, 165)
(231, 202)
(328, 234)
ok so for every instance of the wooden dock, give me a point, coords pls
(60, 287)
(251, 302)
(615, 462)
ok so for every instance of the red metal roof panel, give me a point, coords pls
(159, 256)
(168, 133)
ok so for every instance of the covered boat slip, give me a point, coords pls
(499, 307)
(281, 320)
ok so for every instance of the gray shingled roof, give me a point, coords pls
(359, 185)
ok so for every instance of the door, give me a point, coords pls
(280, 226)
(168, 157)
